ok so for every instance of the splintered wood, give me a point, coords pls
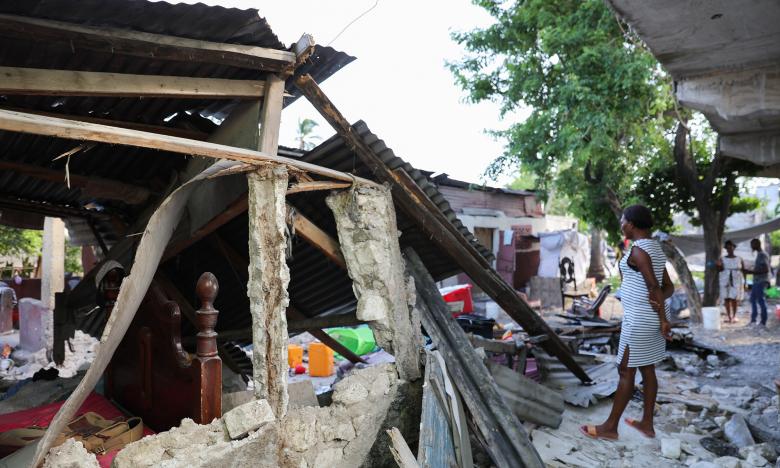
(267, 287)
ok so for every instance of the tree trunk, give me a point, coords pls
(712, 248)
(686, 278)
(596, 268)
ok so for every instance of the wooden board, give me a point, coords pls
(430, 219)
(46, 82)
(145, 45)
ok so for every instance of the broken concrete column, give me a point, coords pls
(267, 287)
(52, 272)
(368, 235)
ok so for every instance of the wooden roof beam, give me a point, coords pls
(76, 130)
(47, 82)
(172, 131)
(146, 45)
(428, 217)
(91, 186)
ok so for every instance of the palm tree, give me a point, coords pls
(305, 136)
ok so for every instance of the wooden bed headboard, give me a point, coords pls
(151, 375)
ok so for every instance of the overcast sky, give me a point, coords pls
(399, 84)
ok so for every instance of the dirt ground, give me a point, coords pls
(708, 395)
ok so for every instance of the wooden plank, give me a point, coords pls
(145, 45)
(271, 117)
(320, 239)
(92, 186)
(74, 130)
(507, 442)
(172, 131)
(400, 450)
(436, 445)
(315, 186)
(46, 82)
(429, 218)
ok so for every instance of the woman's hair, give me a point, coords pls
(729, 242)
(639, 216)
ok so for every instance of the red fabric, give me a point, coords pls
(42, 416)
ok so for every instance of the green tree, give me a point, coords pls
(603, 119)
(305, 134)
(22, 242)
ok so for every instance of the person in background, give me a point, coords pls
(760, 274)
(731, 281)
(646, 286)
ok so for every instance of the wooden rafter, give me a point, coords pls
(146, 45)
(75, 130)
(177, 132)
(94, 186)
(47, 82)
(428, 217)
(318, 238)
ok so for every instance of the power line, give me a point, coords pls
(353, 22)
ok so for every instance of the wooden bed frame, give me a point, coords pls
(151, 375)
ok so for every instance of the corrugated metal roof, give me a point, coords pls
(151, 169)
(317, 286)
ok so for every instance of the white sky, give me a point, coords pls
(399, 84)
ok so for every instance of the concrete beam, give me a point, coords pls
(762, 149)
(734, 95)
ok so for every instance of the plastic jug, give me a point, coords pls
(320, 360)
(294, 355)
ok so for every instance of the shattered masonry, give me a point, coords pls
(368, 234)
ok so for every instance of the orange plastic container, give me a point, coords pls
(320, 360)
(294, 355)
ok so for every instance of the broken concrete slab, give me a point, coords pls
(71, 454)
(671, 448)
(728, 462)
(301, 394)
(368, 236)
(764, 450)
(269, 276)
(248, 417)
(737, 432)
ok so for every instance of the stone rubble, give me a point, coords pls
(309, 437)
(71, 454)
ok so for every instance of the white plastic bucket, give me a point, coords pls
(711, 318)
(491, 310)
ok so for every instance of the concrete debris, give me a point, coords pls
(248, 417)
(713, 360)
(704, 464)
(737, 432)
(339, 435)
(755, 459)
(368, 235)
(728, 462)
(671, 448)
(70, 454)
(764, 450)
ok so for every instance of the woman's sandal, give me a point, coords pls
(591, 432)
(635, 424)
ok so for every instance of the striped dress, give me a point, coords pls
(641, 331)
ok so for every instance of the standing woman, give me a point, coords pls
(731, 281)
(644, 290)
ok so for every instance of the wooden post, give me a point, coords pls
(507, 440)
(429, 218)
(207, 366)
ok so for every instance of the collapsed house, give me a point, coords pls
(151, 129)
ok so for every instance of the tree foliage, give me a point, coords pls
(602, 122)
(20, 242)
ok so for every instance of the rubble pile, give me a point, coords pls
(249, 435)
